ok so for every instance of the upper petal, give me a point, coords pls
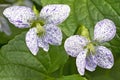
(31, 41)
(75, 44)
(104, 30)
(91, 63)
(43, 44)
(53, 34)
(55, 14)
(104, 57)
(20, 16)
(81, 62)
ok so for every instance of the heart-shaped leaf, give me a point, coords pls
(17, 62)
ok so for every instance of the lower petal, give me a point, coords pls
(81, 62)
(104, 57)
(43, 44)
(53, 35)
(91, 63)
(31, 41)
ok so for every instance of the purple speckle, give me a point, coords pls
(25, 24)
(19, 21)
(54, 9)
(47, 10)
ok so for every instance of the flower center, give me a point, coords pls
(83, 31)
(38, 23)
(91, 48)
(39, 26)
(40, 29)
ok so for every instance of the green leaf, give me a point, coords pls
(18, 63)
(115, 72)
(70, 67)
(37, 1)
(14, 31)
(72, 77)
(37, 4)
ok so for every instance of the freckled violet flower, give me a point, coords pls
(89, 56)
(44, 30)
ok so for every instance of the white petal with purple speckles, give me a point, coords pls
(53, 34)
(43, 44)
(91, 63)
(104, 57)
(31, 41)
(80, 62)
(75, 44)
(104, 30)
(20, 16)
(55, 14)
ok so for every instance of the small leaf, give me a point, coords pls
(83, 31)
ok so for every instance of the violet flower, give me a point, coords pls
(44, 28)
(88, 53)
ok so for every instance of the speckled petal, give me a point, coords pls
(20, 16)
(81, 62)
(53, 34)
(104, 57)
(55, 14)
(31, 41)
(105, 30)
(43, 44)
(91, 63)
(74, 45)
